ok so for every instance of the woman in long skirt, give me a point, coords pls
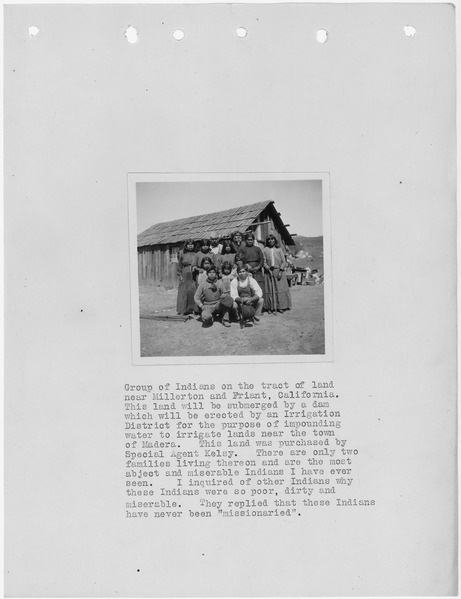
(185, 303)
(277, 296)
(253, 257)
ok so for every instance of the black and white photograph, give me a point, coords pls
(231, 267)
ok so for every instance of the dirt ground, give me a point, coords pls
(298, 331)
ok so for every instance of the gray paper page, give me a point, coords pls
(311, 452)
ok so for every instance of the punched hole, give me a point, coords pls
(409, 30)
(322, 36)
(33, 31)
(178, 34)
(241, 32)
(131, 34)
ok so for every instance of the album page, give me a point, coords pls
(230, 307)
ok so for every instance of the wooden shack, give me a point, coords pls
(159, 245)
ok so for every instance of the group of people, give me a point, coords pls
(233, 278)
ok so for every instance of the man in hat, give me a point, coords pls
(212, 299)
(237, 241)
(226, 239)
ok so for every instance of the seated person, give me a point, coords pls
(212, 299)
(245, 291)
(315, 278)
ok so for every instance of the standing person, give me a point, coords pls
(185, 302)
(204, 252)
(205, 266)
(237, 240)
(226, 255)
(253, 257)
(212, 299)
(248, 297)
(226, 275)
(215, 247)
(225, 240)
(277, 296)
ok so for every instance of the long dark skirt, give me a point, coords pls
(259, 278)
(270, 292)
(277, 294)
(186, 291)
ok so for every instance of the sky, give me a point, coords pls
(299, 202)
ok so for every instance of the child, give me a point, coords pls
(226, 255)
(204, 252)
(226, 275)
(205, 266)
(239, 262)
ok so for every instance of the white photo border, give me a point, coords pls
(153, 177)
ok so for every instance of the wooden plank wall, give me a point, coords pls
(270, 228)
(267, 227)
(155, 268)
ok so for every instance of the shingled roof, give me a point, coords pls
(200, 227)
